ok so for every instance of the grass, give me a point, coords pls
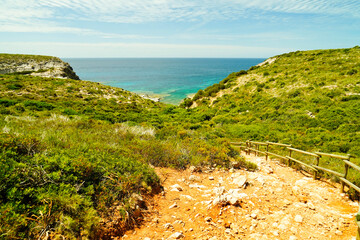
(24, 58)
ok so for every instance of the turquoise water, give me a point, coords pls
(172, 79)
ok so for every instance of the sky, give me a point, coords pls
(176, 28)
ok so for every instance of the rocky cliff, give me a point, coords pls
(43, 66)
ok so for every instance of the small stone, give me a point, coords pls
(310, 205)
(194, 178)
(253, 215)
(173, 206)
(147, 238)
(191, 229)
(292, 238)
(298, 219)
(275, 233)
(228, 231)
(337, 232)
(208, 219)
(211, 178)
(194, 169)
(227, 225)
(219, 191)
(177, 235)
(168, 225)
(176, 187)
(282, 227)
(180, 222)
(268, 170)
(236, 165)
(240, 181)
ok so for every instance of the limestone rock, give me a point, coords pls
(173, 206)
(194, 169)
(176, 187)
(177, 235)
(43, 67)
(298, 219)
(240, 181)
(194, 178)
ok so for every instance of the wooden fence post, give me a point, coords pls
(289, 161)
(267, 151)
(345, 175)
(317, 164)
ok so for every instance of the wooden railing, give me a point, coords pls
(264, 148)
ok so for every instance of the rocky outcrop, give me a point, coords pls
(37, 66)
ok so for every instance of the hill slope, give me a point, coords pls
(75, 155)
(309, 98)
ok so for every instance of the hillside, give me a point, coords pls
(78, 157)
(35, 65)
(75, 155)
(308, 98)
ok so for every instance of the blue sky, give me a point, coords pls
(176, 28)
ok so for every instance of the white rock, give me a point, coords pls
(298, 218)
(282, 227)
(194, 169)
(310, 205)
(173, 206)
(211, 178)
(176, 187)
(337, 232)
(180, 222)
(194, 178)
(219, 191)
(187, 197)
(240, 181)
(275, 233)
(260, 180)
(168, 225)
(302, 182)
(147, 238)
(292, 238)
(196, 186)
(177, 235)
(208, 219)
(253, 215)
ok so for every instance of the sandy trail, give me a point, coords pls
(277, 202)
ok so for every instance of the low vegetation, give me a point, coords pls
(74, 153)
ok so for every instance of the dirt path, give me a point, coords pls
(276, 202)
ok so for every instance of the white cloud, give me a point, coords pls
(137, 50)
(54, 12)
(350, 7)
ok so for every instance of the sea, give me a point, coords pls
(170, 79)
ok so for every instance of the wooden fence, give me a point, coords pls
(263, 148)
